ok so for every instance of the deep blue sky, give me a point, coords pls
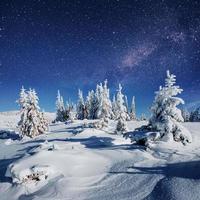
(71, 44)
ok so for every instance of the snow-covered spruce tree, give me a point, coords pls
(133, 110)
(127, 107)
(60, 109)
(81, 108)
(195, 115)
(166, 117)
(185, 115)
(121, 127)
(43, 125)
(114, 107)
(23, 103)
(106, 105)
(31, 124)
(69, 111)
(120, 105)
(121, 113)
(92, 105)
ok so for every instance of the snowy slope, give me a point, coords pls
(75, 162)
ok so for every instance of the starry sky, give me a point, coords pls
(71, 44)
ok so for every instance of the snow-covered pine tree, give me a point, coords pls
(121, 113)
(43, 125)
(81, 109)
(106, 105)
(195, 115)
(121, 127)
(133, 109)
(185, 115)
(114, 107)
(60, 109)
(30, 124)
(127, 107)
(120, 105)
(165, 114)
(99, 94)
(23, 103)
(69, 111)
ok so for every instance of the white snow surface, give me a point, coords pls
(73, 161)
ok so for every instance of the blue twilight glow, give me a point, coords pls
(71, 44)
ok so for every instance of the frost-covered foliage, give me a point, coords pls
(70, 111)
(43, 123)
(133, 110)
(32, 122)
(105, 105)
(92, 105)
(81, 109)
(165, 114)
(195, 115)
(185, 115)
(61, 115)
(121, 127)
(120, 108)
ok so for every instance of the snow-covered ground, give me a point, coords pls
(75, 162)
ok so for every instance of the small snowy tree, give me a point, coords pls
(195, 115)
(43, 125)
(106, 105)
(165, 114)
(185, 115)
(69, 111)
(32, 122)
(114, 107)
(127, 107)
(92, 105)
(23, 103)
(133, 110)
(121, 113)
(60, 109)
(81, 108)
(120, 105)
(121, 127)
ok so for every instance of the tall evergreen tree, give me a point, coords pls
(60, 108)
(133, 110)
(32, 122)
(185, 115)
(106, 105)
(165, 114)
(81, 108)
(120, 105)
(195, 115)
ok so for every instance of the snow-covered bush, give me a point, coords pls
(121, 127)
(101, 123)
(32, 122)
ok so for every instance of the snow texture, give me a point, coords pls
(96, 164)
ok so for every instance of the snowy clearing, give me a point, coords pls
(73, 161)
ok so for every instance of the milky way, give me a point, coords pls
(67, 45)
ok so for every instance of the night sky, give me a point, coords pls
(66, 45)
